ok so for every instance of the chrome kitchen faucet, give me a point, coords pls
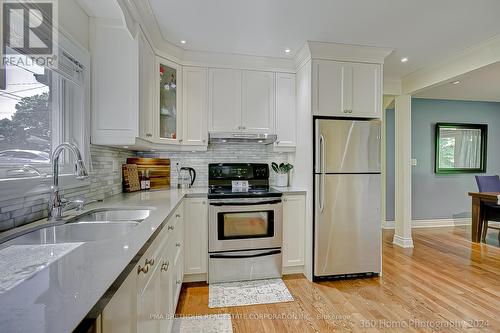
(58, 204)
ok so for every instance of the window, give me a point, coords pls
(41, 107)
(26, 114)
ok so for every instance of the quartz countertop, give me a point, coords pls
(53, 289)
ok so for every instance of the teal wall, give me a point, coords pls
(441, 196)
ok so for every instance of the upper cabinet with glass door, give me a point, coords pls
(168, 118)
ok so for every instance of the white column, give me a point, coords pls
(402, 193)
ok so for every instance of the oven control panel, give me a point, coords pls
(231, 171)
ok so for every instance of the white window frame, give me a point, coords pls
(20, 187)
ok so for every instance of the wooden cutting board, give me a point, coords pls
(159, 170)
(131, 181)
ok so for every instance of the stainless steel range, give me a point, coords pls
(245, 223)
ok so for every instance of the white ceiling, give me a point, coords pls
(480, 85)
(425, 31)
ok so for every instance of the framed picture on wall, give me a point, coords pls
(461, 148)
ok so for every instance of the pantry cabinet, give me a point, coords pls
(147, 299)
(344, 89)
(294, 220)
(196, 236)
(286, 113)
(241, 101)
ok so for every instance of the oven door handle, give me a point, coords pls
(241, 256)
(270, 202)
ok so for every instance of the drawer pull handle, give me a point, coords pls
(178, 244)
(170, 227)
(164, 266)
(144, 269)
(150, 262)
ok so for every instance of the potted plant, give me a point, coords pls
(282, 171)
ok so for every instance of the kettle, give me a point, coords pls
(186, 177)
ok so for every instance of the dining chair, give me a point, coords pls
(492, 210)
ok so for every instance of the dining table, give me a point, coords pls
(478, 202)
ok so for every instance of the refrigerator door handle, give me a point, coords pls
(322, 177)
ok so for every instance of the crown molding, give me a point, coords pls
(348, 52)
(141, 13)
(475, 57)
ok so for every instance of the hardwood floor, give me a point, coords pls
(444, 284)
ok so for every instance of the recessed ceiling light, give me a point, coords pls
(456, 82)
(404, 59)
(288, 50)
(183, 42)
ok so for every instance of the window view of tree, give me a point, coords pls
(25, 116)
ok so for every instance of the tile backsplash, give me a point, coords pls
(104, 182)
(219, 153)
(105, 176)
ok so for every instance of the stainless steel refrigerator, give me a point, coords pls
(347, 221)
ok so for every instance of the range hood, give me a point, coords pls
(242, 138)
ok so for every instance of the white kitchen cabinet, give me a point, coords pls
(195, 105)
(167, 116)
(147, 299)
(147, 304)
(366, 90)
(195, 236)
(146, 87)
(241, 101)
(114, 88)
(345, 89)
(286, 114)
(257, 102)
(225, 100)
(294, 220)
(120, 313)
(328, 88)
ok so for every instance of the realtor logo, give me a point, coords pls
(29, 32)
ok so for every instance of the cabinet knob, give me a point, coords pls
(178, 216)
(243, 127)
(164, 266)
(203, 140)
(150, 262)
(149, 135)
(180, 140)
(178, 244)
(170, 227)
(179, 281)
(144, 269)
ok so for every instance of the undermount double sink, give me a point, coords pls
(94, 225)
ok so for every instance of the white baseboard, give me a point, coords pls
(431, 223)
(293, 270)
(195, 278)
(403, 242)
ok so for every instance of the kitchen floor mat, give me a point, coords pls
(217, 323)
(268, 291)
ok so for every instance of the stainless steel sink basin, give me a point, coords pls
(112, 215)
(73, 232)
